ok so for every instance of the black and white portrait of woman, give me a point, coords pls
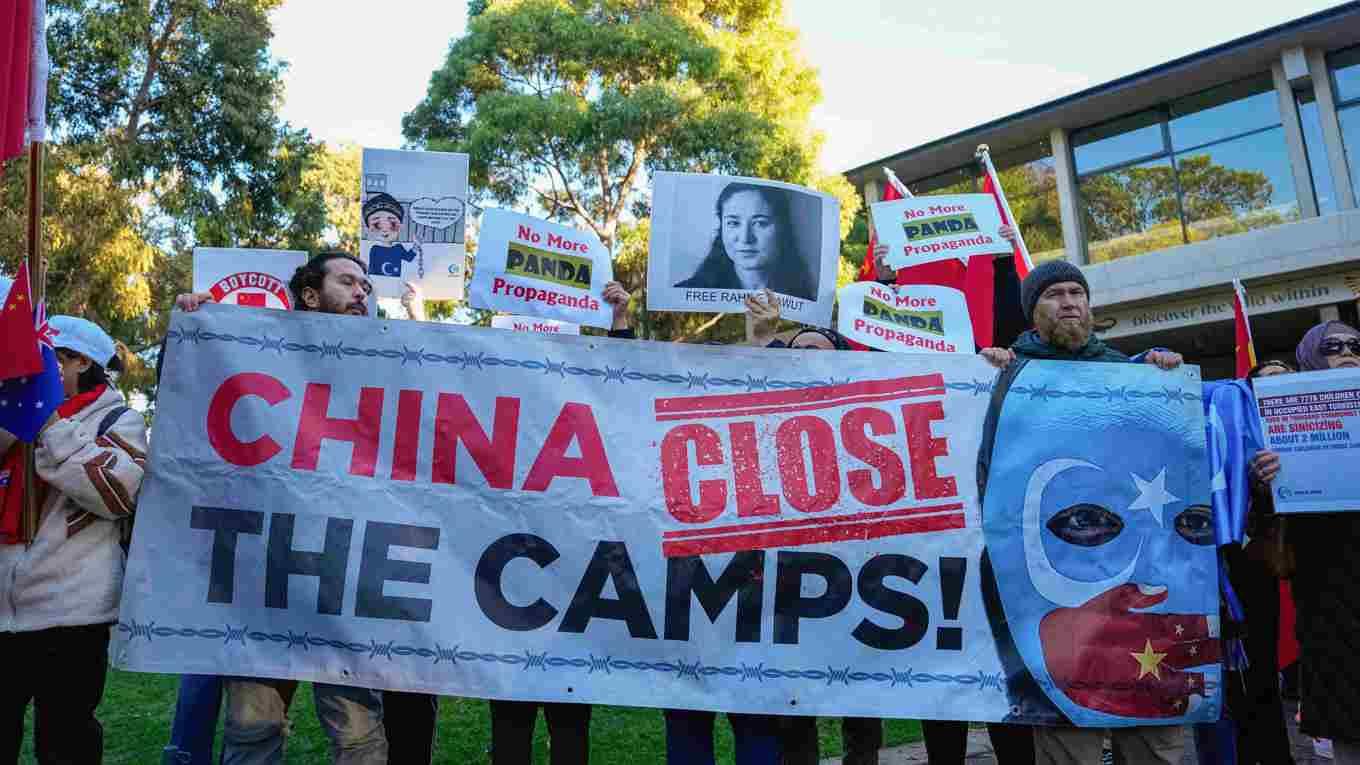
(716, 239)
(754, 247)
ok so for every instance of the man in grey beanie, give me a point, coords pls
(1056, 301)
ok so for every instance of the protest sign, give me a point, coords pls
(438, 508)
(910, 318)
(412, 215)
(715, 239)
(1312, 420)
(925, 229)
(535, 324)
(247, 277)
(531, 266)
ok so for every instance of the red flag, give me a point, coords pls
(1242, 345)
(16, 52)
(22, 358)
(992, 185)
(868, 272)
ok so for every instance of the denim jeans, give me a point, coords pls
(257, 722)
(689, 738)
(195, 728)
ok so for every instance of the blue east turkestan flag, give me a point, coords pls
(1233, 428)
(27, 402)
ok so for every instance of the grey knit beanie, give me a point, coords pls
(1046, 275)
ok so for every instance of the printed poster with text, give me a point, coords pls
(248, 277)
(534, 324)
(445, 509)
(925, 229)
(412, 206)
(908, 318)
(530, 266)
(1312, 420)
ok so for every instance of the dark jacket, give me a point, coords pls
(1327, 599)
(788, 277)
(1031, 346)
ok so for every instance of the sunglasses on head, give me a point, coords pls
(1334, 347)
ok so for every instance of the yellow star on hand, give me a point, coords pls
(1149, 662)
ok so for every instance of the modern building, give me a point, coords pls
(1241, 161)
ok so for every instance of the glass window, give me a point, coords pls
(1223, 112)
(1126, 139)
(1226, 170)
(1131, 211)
(1318, 166)
(1345, 67)
(1349, 118)
(1238, 185)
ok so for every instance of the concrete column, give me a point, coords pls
(1293, 138)
(1069, 201)
(1331, 130)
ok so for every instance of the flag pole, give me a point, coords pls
(38, 279)
(39, 68)
(984, 155)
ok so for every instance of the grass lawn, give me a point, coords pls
(138, 708)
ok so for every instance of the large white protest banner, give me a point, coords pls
(528, 265)
(925, 229)
(910, 318)
(716, 239)
(460, 511)
(248, 277)
(412, 209)
(1312, 420)
(534, 324)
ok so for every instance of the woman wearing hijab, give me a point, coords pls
(59, 593)
(754, 247)
(1326, 582)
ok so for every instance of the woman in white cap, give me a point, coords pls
(59, 592)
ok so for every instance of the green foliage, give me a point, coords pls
(568, 105)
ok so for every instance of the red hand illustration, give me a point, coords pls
(1111, 660)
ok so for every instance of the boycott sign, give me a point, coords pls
(247, 277)
(924, 229)
(907, 318)
(1312, 419)
(530, 266)
(532, 324)
(436, 508)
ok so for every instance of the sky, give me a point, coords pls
(894, 73)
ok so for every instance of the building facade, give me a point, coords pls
(1238, 162)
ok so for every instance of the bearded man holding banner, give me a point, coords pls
(1055, 297)
(257, 708)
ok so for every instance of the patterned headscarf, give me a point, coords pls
(1309, 352)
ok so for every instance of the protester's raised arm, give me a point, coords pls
(617, 297)
(998, 357)
(190, 301)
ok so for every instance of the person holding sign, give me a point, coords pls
(60, 593)
(512, 722)
(1326, 593)
(753, 246)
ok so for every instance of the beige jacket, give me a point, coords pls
(72, 574)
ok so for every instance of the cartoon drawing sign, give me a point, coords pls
(248, 277)
(925, 229)
(412, 216)
(908, 318)
(531, 266)
(1098, 535)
